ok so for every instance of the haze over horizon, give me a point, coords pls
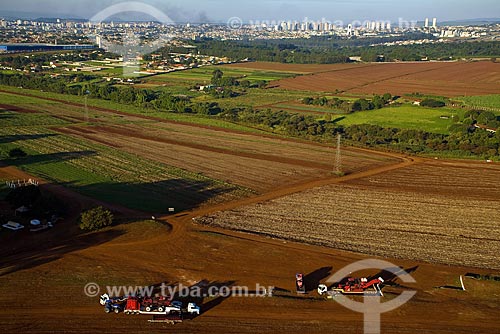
(204, 11)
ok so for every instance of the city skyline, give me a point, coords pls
(215, 11)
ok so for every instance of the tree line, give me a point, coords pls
(346, 106)
(321, 50)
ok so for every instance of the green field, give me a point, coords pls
(131, 109)
(258, 98)
(305, 108)
(405, 117)
(488, 101)
(204, 75)
(100, 171)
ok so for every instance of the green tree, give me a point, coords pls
(432, 103)
(486, 117)
(96, 219)
(17, 153)
(217, 76)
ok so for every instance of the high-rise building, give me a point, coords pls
(434, 23)
(427, 22)
(98, 41)
(349, 30)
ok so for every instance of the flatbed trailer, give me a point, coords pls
(168, 319)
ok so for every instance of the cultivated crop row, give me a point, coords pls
(394, 224)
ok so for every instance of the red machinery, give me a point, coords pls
(299, 283)
(153, 304)
(354, 286)
(135, 305)
(357, 285)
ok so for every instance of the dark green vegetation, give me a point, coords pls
(431, 103)
(469, 141)
(41, 204)
(327, 50)
(348, 106)
(17, 153)
(96, 219)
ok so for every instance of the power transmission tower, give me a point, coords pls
(338, 157)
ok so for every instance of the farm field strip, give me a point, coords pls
(314, 155)
(394, 224)
(448, 79)
(133, 112)
(106, 173)
(487, 101)
(259, 175)
(294, 68)
(471, 180)
(204, 74)
(251, 161)
(264, 148)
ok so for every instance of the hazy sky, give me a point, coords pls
(221, 10)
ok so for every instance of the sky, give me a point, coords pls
(198, 11)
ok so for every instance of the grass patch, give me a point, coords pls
(486, 101)
(204, 75)
(405, 117)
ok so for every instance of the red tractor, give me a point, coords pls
(353, 286)
(156, 304)
(299, 283)
(137, 306)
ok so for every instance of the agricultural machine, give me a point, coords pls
(153, 306)
(112, 304)
(353, 286)
(299, 283)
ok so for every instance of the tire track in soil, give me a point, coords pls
(180, 222)
(241, 154)
(395, 77)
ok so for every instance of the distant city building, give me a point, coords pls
(349, 30)
(28, 47)
(98, 41)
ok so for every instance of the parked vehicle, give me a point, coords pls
(13, 226)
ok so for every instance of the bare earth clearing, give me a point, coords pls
(447, 79)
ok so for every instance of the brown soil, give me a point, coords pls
(17, 109)
(295, 68)
(130, 254)
(447, 79)
(42, 276)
